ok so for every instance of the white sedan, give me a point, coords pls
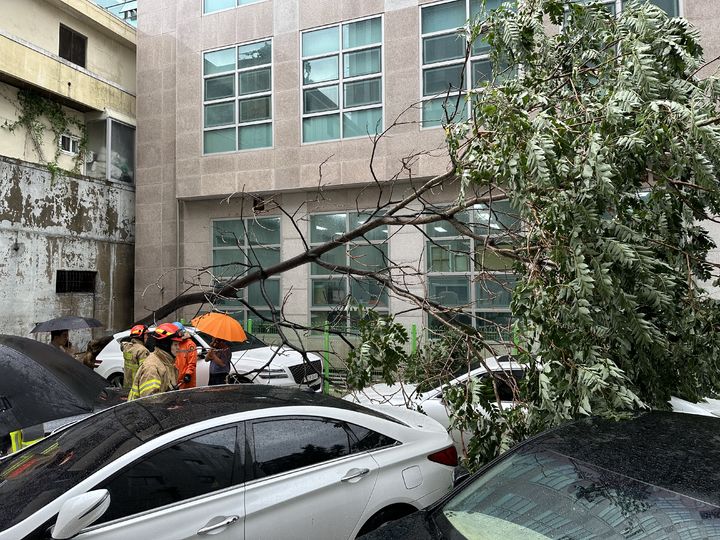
(431, 401)
(252, 361)
(227, 462)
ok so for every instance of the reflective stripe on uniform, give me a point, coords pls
(148, 386)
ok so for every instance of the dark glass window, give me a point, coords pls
(79, 281)
(504, 388)
(187, 469)
(72, 46)
(291, 443)
(367, 439)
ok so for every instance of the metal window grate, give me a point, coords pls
(75, 281)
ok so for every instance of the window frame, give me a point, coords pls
(618, 5)
(312, 309)
(342, 79)
(237, 124)
(74, 141)
(74, 34)
(236, 6)
(247, 313)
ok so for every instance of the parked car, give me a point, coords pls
(253, 361)
(229, 462)
(431, 401)
(654, 476)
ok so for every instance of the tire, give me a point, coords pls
(237, 379)
(116, 380)
(386, 515)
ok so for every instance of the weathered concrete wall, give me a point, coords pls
(63, 223)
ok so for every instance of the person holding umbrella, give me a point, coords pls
(223, 329)
(61, 340)
(158, 373)
(220, 355)
(134, 353)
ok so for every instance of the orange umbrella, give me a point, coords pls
(220, 326)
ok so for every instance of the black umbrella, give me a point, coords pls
(66, 323)
(39, 382)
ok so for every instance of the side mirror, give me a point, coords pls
(79, 512)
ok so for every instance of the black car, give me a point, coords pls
(653, 477)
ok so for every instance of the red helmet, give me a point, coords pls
(167, 330)
(138, 330)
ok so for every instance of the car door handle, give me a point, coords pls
(223, 523)
(352, 474)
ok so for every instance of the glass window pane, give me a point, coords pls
(443, 17)
(229, 263)
(255, 109)
(434, 110)
(441, 48)
(321, 69)
(321, 128)
(448, 256)
(476, 7)
(216, 5)
(670, 6)
(450, 291)
(444, 229)
(335, 257)
(255, 54)
(335, 319)
(122, 150)
(263, 231)
(501, 219)
(328, 292)
(379, 233)
(256, 136)
(488, 261)
(324, 227)
(361, 63)
(219, 61)
(361, 93)
(219, 87)
(207, 463)
(362, 33)
(437, 327)
(228, 232)
(494, 292)
(481, 72)
(220, 114)
(440, 80)
(250, 82)
(320, 99)
(219, 140)
(272, 290)
(369, 292)
(494, 324)
(362, 123)
(480, 45)
(372, 257)
(320, 41)
(263, 257)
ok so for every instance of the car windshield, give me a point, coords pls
(541, 494)
(37, 475)
(251, 343)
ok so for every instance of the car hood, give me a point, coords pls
(281, 356)
(706, 407)
(398, 394)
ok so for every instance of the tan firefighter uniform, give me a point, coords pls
(156, 374)
(134, 352)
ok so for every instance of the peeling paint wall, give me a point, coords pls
(63, 223)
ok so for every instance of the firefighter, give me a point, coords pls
(158, 372)
(186, 359)
(134, 352)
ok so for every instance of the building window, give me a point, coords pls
(671, 7)
(243, 245)
(75, 281)
(461, 274)
(110, 150)
(72, 46)
(342, 81)
(446, 76)
(211, 6)
(238, 98)
(69, 144)
(330, 288)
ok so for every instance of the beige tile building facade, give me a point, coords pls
(301, 79)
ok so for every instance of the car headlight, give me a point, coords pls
(273, 374)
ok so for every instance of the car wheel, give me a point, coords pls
(237, 379)
(386, 515)
(116, 380)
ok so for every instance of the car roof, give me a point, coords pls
(678, 452)
(151, 416)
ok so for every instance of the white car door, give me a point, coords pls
(193, 488)
(308, 484)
